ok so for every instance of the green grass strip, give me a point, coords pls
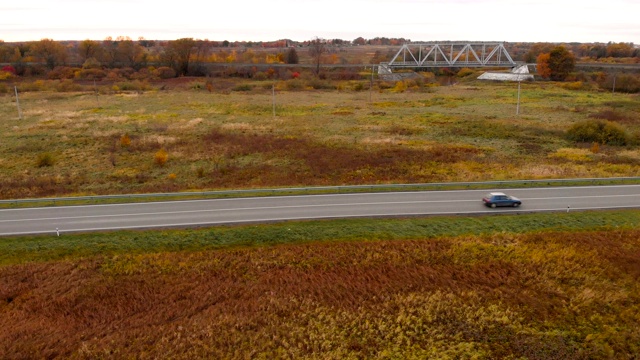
(15, 250)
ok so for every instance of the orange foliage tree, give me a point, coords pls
(542, 64)
(51, 52)
(556, 64)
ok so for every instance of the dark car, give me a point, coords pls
(495, 199)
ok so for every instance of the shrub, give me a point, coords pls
(165, 72)
(400, 87)
(358, 86)
(161, 157)
(125, 141)
(135, 85)
(576, 85)
(260, 76)
(599, 131)
(62, 72)
(294, 84)
(142, 74)
(4, 75)
(67, 85)
(242, 87)
(97, 74)
(319, 84)
(608, 114)
(383, 85)
(91, 63)
(9, 69)
(196, 85)
(464, 72)
(45, 159)
(629, 83)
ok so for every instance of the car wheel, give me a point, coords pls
(516, 204)
(493, 205)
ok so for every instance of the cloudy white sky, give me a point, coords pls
(251, 20)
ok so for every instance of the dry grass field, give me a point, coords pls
(534, 295)
(178, 136)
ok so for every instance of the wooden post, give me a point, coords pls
(273, 97)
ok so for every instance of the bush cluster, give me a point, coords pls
(598, 131)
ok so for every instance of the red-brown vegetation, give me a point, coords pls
(545, 295)
(318, 163)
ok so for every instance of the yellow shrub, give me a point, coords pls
(400, 87)
(161, 157)
(572, 154)
(125, 141)
(4, 75)
(576, 85)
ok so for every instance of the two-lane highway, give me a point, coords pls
(278, 208)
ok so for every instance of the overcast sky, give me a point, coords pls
(250, 20)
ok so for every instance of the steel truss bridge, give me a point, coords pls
(449, 54)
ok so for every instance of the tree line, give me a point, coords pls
(187, 56)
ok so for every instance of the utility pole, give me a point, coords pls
(614, 84)
(518, 105)
(371, 84)
(95, 89)
(18, 103)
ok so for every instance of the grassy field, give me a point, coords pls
(533, 286)
(549, 286)
(187, 138)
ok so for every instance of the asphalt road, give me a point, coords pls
(267, 209)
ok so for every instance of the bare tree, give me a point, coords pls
(317, 47)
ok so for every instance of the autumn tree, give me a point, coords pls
(562, 63)
(597, 51)
(199, 55)
(542, 65)
(6, 52)
(537, 49)
(89, 49)
(50, 52)
(620, 50)
(177, 54)
(146, 43)
(317, 48)
(130, 54)
(359, 41)
(109, 53)
(559, 63)
(292, 56)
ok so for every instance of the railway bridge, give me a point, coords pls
(449, 54)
